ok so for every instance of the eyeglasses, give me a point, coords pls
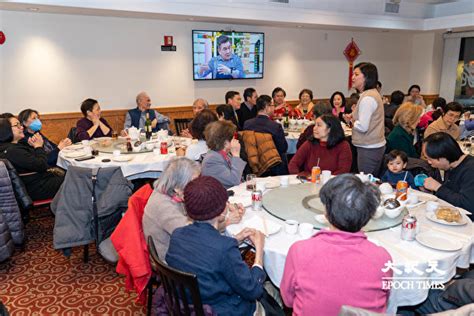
(17, 125)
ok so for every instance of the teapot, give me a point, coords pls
(134, 132)
(162, 135)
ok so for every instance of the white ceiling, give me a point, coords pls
(414, 15)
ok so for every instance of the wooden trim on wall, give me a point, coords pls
(56, 126)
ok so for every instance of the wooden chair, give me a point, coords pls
(176, 284)
(181, 124)
(72, 134)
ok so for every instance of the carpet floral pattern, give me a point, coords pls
(42, 281)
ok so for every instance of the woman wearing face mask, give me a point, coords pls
(32, 125)
(30, 160)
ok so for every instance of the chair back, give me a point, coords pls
(181, 124)
(72, 135)
(176, 285)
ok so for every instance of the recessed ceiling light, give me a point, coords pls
(191, 19)
(299, 26)
(33, 9)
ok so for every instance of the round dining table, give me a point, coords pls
(416, 266)
(144, 164)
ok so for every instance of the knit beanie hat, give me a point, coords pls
(204, 198)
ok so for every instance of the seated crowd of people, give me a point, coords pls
(188, 210)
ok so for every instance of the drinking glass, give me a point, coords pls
(251, 182)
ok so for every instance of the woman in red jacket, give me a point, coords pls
(328, 146)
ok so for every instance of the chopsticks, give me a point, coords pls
(462, 236)
(265, 228)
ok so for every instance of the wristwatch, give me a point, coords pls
(232, 69)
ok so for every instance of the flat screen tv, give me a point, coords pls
(227, 55)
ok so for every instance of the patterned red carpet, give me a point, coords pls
(41, 281)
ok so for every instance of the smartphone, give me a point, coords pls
(230, 193)
(84, 158)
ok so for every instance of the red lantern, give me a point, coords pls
(351, 52)
(2, 38)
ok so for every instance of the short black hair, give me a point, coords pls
(370, 73)
(276, 90)
(24, 115)
(442, 145)
(88, 105)
(413, 86)
(230, 95)
(263, 101)
(453, 106)
(331, 100)
(379, 84)
(308, 91)
(439, 103)
(248, 93)
(225, 110)
(199, 123)
(336, 133)
(6, 133)
(221, 40)
(393, 154)
(321, 108)
(349, 202)
(6, 115)
(397, 97)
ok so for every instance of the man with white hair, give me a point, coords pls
(137, 116)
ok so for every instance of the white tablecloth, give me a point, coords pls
(403, 252)
(142, 165)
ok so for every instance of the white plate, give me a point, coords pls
(74, 154)
(432, 217)
(272, 185)
(122, 158)
(256, 222)
(74, 147)
(435, 241)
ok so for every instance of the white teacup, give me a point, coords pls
(432, 206)
(412, 199)
(306, 230)
(85, 142)
(284, 181)
(291, 226)
(386, 188)
(379, 212)
(326, 176)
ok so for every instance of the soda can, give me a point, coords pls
(316, 174)
(409, 227)
(164, 148)
(257, 200)
(401, 190)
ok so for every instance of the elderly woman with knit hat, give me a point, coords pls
(225, 282)
(164, 211)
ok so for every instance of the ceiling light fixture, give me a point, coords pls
(33, 9)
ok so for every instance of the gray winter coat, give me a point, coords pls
(73, 203)
(11, 225)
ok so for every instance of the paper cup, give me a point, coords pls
(284, 180)
(326, 175)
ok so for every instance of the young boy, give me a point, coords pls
(396, 163)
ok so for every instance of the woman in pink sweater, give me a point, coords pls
(327, 145)
(338, 266)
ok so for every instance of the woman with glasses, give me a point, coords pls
(32, 126)
(30, 160)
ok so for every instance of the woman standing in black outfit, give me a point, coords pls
(30, 160)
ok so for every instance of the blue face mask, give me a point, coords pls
(36, 125)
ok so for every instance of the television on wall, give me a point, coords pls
(225, 55)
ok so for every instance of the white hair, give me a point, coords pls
(177, 175)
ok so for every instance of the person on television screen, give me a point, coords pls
(226, 65)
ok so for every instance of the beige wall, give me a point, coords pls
(52, 62)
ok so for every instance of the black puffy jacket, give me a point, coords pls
(22, 197)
